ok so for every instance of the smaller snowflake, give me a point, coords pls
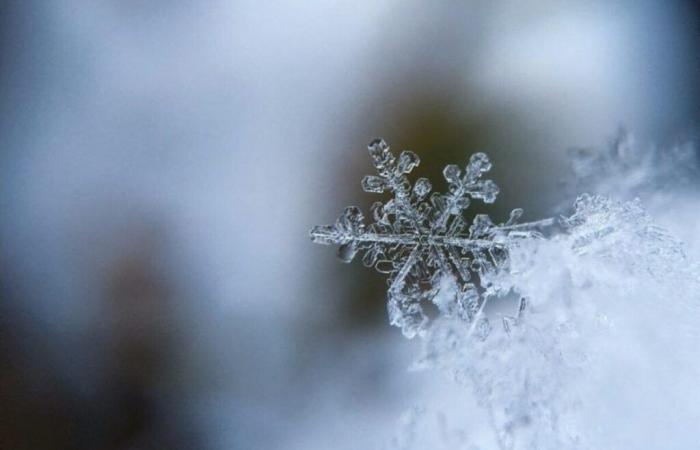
(421, 241)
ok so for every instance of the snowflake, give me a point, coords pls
(421, 241)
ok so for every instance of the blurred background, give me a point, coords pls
(162, 162)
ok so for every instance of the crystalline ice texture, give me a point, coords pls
(419, 241)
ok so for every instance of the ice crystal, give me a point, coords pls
(602, 353)
(419, 241)
(612, 302)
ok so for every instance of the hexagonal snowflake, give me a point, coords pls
(420, 241)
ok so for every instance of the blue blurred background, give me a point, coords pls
(162, 162)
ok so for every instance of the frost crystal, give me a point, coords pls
(420, 241)
(612, 303)
(603, 353)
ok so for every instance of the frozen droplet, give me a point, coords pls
(407, 161)
(422, 187)
(451, 172)
(373, 183)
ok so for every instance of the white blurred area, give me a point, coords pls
(186, 148)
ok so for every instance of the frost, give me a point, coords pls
(600, 346)
(612, 310)
(611, 229)
(419, 241)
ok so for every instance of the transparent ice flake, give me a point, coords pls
(420, 242)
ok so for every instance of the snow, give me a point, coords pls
(598, 342)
